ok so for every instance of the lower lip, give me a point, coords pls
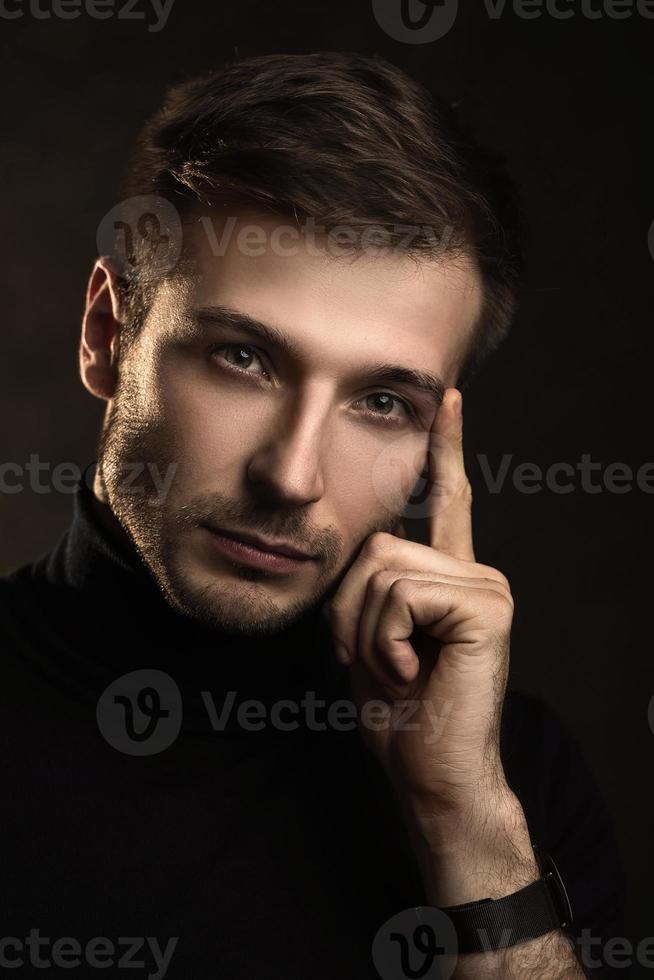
(247, 554)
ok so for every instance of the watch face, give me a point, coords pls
(551, 874)
(558, 890)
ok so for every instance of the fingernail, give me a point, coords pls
(458, 405)
(341, 654)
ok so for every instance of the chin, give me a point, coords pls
(242, 609)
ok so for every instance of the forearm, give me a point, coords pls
(486, 852)
(551, 957)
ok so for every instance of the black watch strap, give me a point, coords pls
(535, 910)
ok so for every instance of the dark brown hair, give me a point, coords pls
(346, 140)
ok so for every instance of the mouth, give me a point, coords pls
(256, 552)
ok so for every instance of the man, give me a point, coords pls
(248, 721)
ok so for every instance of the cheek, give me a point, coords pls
(213, 429)
(372, 475)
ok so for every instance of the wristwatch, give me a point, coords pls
(540, 907)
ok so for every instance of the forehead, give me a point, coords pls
(417, 312)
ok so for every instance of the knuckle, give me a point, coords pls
(496, 576)
(501, 605)
(465, 492)
(399, 589)
(377, 545)
(381, 581)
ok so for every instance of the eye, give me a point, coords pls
(240, 357)
(388, 407)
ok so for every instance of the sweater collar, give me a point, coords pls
(112, 618)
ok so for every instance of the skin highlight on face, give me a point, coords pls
(270, 387)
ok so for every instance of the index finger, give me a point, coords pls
(449, 513)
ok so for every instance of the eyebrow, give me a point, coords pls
(390, 374)
(395, 374)
(222, 316)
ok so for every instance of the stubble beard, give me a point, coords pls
(131, 449)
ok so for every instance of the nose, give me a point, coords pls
(288, 465)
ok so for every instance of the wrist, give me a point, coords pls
(527, 931)
(481, 851)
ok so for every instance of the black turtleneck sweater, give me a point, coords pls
(204, 852)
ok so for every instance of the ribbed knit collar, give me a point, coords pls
(104, 614)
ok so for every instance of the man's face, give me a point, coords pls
(260, 404)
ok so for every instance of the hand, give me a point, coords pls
(428, 625)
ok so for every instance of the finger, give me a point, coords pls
(385, 551)
(411, 602)
(379, 586)
(375, 660)
(437, 607)
(449, 512)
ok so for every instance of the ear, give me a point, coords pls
(98, 352)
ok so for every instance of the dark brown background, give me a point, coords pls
(569, 102)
